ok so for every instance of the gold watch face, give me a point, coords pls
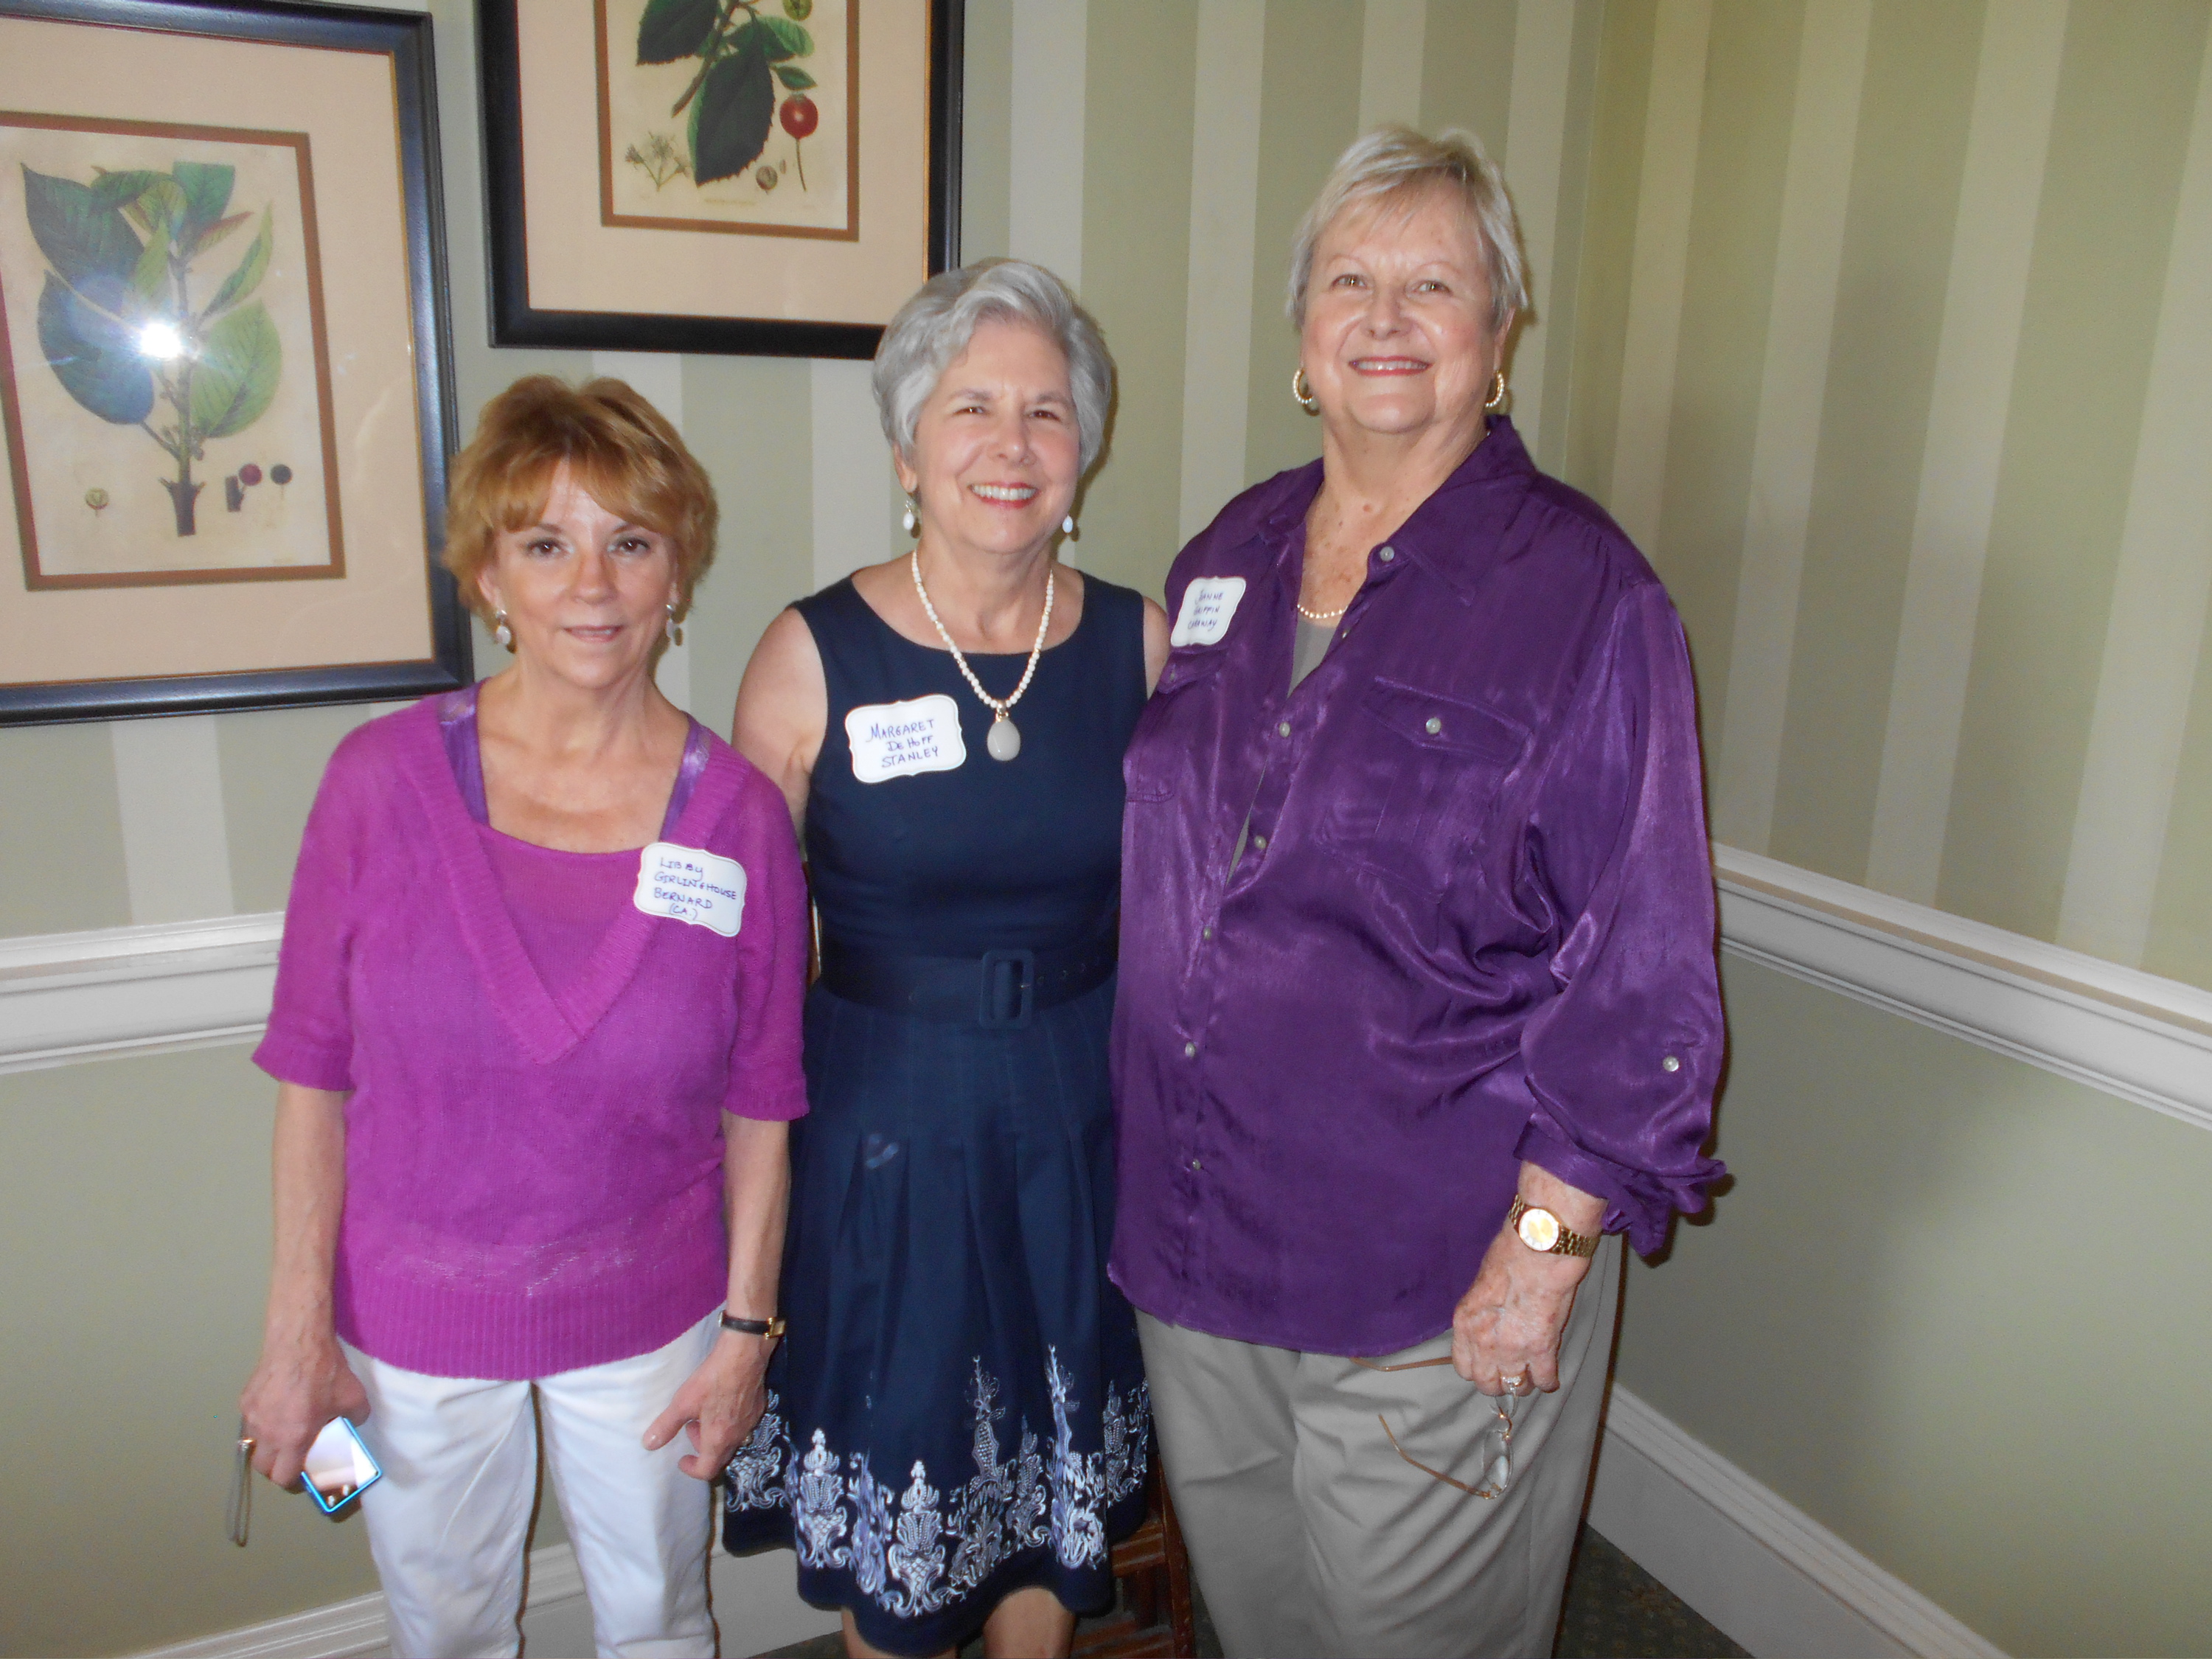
(1539, 1229)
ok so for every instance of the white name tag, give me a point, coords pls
(688, 884)
(1208, 603)
(898, 739)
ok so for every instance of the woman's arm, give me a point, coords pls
(302, 1381)
(1156, 645)
(1509, 1322)
(721, 1401)
(783, 709)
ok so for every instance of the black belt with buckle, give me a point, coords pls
(999, 990)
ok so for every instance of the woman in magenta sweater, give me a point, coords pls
(536, 1038)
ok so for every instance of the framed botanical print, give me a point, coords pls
(222, 360)
(761, 176)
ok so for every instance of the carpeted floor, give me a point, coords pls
(1614, 1610)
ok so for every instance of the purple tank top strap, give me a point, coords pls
(687, 773)
(457, 725)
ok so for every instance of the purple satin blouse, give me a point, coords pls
(1472, 923)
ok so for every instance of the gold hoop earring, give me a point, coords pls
(1497, 391)
(1302, 389)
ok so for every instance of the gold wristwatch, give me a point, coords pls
(1541, 1230)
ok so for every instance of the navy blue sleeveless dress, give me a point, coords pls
(958, 1410)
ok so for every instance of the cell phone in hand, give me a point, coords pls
(339, 1467)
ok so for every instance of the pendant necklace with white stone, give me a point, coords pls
(1004, 740)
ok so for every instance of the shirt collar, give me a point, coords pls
(1435, 536)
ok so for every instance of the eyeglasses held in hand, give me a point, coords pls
(1496, 1446)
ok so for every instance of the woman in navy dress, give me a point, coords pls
(958, 1425)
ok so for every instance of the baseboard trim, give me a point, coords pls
(756, 1604)
(1762, 1571)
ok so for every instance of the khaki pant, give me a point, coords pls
(1310, 1534)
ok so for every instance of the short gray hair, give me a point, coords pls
(934, 327)
(1394, 164)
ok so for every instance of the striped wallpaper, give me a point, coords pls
(1882, 325)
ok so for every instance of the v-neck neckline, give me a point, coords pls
(546, 1023)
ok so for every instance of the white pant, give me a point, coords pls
(446, 1523)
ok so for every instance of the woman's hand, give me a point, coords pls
(1508, 1326)
(718, 1404)
(302, 1381)
(300, 1384)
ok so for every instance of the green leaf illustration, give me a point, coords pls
(94, 356)
(251, 269)
(674, 29)
(791, 40)
(794, 78)
(729, 122)
(117, 188)
(164, 207)
(206, 193)
(214, 233)
(81, 236)
(150, 281)
(236, 375)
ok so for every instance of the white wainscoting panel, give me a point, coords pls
(1763, 1571)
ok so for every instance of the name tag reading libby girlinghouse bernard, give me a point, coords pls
(689, 884)
(899, 739)
(1209, 604)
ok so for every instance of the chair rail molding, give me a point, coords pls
(2127, 1033)
(69, 997)
(150, 989)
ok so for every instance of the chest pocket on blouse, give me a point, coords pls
(1417, 772)
(1160, 763)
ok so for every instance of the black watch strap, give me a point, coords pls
(771, 1327)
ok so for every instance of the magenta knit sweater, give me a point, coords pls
(533, 1174)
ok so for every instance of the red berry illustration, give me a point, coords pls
(249, 474)
(799, 119)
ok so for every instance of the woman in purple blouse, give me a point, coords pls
(1418, 998)
(536, 1039)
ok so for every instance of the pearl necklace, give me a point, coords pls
(1004, 741)
(1322, 615)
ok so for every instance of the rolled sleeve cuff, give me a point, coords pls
(290, 1060)
(1637, 1203)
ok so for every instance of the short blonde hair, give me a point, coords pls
(617, 446)
(1395, 165)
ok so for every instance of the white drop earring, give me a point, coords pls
(501, 631)
(1067, 525)
(675, 634)
(913, 517)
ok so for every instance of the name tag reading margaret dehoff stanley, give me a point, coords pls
(1209, 604)
(688, 884)
(898, 739)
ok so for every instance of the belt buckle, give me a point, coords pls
(1024, 964)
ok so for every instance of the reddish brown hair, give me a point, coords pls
(617, 446)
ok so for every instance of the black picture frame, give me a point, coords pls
(406, 40)
(516, 322)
